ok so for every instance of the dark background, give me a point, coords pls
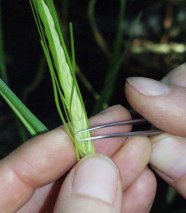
(161, 22)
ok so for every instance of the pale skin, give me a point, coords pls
(33, 177)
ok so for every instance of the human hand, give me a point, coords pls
(31, 176)
(164, 105)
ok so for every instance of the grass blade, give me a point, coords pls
(30, 121)
(3, 71)
(115, 63)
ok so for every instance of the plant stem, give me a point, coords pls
(115, 64)
(3, 71)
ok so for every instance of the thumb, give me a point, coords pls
(163, 104)
(93, 185)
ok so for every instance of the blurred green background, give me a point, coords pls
(114, 39)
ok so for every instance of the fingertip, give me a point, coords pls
(148, 87)
(132, 159)
(144, 189)
(92, 186)
(168, 157)
(163, 111)
(177, 76)
(115, 112)
(96, 176)
(134, 97)
(168, 161)
(112, 114)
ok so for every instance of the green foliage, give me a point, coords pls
(115, 63)
(3, 72)
(62, 70)
(30, 121)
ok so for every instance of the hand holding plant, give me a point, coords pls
(94, 184)
(31, 177)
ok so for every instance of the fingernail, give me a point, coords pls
(177, 76)
(148, 87)
(96, 177)
(168, 156)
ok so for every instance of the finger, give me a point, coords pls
(36, 163)
(92, 186)
(177, 76)
(172, 168)
(132, 159)
(140, 195)
(169, 161)
(162, 105)
(115, 113)
(168, 156)
(43, 200)
(40, 161)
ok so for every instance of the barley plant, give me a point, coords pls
(62, 70)
(122, 39)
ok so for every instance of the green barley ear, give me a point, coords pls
(62, 70)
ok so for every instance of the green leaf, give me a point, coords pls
(3, 71)
(30, 121)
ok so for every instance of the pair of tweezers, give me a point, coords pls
(149, 132)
